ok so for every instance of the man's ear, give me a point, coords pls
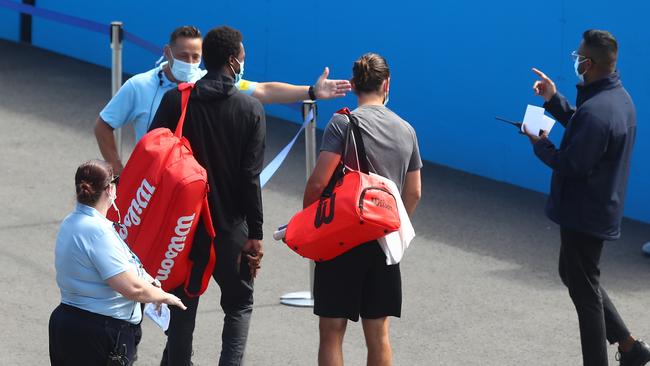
(591, 64)
(167, 51)
(352, 85)
(231, 61)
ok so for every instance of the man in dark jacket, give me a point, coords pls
(226, 131)
(590, 174)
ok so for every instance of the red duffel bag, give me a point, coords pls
(354, 209)
(162, 196)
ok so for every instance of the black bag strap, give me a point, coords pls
(352, 144)
(354, 140)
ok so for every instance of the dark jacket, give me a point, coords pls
(227, 131)
(592, 165)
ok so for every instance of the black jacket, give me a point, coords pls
(592, 165)
(227, 131)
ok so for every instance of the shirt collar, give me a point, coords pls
(160, 73)
(587, 91)
(92, 212)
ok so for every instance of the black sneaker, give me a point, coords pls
(639, 355)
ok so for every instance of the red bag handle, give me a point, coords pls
(185, 89)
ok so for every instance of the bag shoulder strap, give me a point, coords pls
(185, 89)
(354, 140)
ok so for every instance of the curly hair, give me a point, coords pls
(218, 45)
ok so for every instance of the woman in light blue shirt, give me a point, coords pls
(101, 280)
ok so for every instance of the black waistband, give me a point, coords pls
(94, 317)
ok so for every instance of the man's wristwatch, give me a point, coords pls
(311, 93)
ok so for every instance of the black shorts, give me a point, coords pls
(358, 283)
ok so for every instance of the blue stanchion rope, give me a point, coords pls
(274, 165)
(87, 24)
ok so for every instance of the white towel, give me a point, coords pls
(394, 244)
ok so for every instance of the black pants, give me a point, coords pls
(598, 318)
(82, 338)
(233, 277)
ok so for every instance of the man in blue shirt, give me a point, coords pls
(137, 100)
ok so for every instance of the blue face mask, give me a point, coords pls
(184, 71)
(240, 75)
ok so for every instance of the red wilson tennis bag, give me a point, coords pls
(162, 196)
(354, 209)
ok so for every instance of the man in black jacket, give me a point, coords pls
(226, 131)
(590, 174)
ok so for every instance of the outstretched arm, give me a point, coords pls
(324, 88)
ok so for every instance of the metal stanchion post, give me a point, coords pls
(305, 298)
(117, 35)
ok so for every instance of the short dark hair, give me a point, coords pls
(91, 179)
(186, 31)
(602, 47)
(369, 72)
(218, 45)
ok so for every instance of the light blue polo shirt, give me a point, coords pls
(88, 252)
(138, 99)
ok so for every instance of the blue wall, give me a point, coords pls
(9, 26)
(455, 64)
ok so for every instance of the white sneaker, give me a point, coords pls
(646, 248)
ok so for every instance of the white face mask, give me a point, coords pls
(238, 76)
(576, 65)
(184, 71)
(112, 196)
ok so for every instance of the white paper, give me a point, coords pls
(535, 120)
(395, 244)
(162, 319)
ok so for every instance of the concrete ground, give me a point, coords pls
(480, 283)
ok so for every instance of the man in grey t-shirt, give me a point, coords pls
(359, 283)
(390, 141)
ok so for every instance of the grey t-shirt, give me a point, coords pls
(390, 142)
